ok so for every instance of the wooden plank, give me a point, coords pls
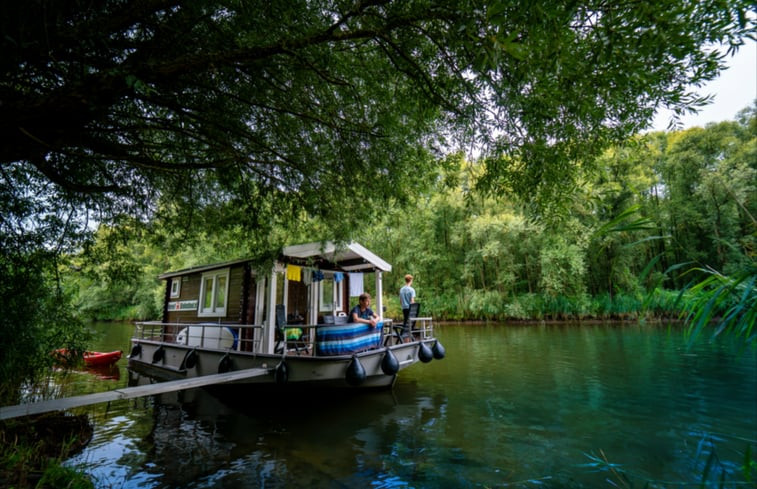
(8, 412)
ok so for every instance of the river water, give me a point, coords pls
(510, 406)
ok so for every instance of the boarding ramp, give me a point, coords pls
(28, 409)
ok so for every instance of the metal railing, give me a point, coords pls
(220, 336)
(248, 337)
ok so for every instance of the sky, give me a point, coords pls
(735, 89)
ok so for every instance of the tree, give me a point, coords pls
(257, 116)
(267, 109)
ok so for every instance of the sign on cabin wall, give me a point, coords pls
(182, 305)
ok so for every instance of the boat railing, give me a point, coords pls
(239, 337)
(422, 327)
(248, 337)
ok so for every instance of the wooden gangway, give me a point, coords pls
(8, 412)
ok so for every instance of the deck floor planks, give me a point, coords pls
(8, 412)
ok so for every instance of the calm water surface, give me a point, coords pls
(510, 406)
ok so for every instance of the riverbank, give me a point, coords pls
(32, 450)
(657, 305)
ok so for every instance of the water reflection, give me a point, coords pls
(507, 406)
(224, 439)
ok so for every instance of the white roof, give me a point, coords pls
(350, 257)
(198, 269)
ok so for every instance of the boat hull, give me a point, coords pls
(90, 358)
(101, 359)
(169, 361)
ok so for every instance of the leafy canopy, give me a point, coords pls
(267, 111)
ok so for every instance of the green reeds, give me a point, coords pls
(727, 302)
(32, 451)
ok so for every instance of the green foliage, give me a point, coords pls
(33, 450)
(729, 301)
(116, 275)
(616, 250)
(38, 319)
(213, 130)
(474, 257)
(220, 115)
(710, 471)
(56, 475)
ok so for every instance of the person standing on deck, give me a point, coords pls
(407, 297)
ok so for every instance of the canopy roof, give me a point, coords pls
(351, 257)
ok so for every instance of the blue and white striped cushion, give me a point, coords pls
(345, 339)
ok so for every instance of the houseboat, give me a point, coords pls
(288, 325)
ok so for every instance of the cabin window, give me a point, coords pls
(175, 288)
(213, 291)
(331, 295)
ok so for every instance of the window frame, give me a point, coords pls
(213, 310)
(338, 295)
(175, 288)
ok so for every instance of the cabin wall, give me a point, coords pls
(240, 303)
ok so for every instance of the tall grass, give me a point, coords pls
(32, 451)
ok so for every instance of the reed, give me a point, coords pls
(32, 451)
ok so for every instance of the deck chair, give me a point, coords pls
(282, 342)
(404, 330)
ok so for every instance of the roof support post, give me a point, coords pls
(379, 295)
(270, 326)
(314, 302)
(259, 311)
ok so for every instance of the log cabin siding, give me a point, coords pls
(190, 291)
(234, 298)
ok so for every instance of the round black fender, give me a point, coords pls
(355, 372)
(225, 364)
(389, 364)
(158, 355)
(190, 359)
(424, 353)
(136, 351)
(282, 373)
(438, 350)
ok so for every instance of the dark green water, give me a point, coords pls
(510, 406)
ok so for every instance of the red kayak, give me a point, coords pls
(94, 358)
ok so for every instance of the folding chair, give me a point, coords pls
(402, 331)
(282, 341)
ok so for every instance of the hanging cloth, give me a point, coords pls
(294, 273)
(317, 275)
(338, 277)
(307, 276)
(356, 284)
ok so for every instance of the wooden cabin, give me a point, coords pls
(313, 281)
